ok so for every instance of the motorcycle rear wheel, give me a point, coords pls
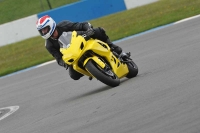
(102, 75)
(133, 69)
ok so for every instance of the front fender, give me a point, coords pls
(95, 59)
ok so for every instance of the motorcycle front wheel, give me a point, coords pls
(106, 76)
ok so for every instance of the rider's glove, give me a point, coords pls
(62, 63)
(65, 66)
(89, 32)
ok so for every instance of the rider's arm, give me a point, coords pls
(55, 53)
(68, 25)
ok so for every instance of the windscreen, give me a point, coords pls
(65, 39)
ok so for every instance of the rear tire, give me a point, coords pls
(133, 69)
(99, 73)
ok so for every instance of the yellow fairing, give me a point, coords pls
(119, 68)
(73, 52)
(79, 46)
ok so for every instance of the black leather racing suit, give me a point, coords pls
(53, 46)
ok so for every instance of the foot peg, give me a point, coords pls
(128, 54)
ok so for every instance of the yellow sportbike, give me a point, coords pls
(93, 58)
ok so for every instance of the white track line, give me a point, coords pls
(187, 19)
(12, 110)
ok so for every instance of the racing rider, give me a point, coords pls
(51, 31)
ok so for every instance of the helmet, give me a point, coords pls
(46, 26)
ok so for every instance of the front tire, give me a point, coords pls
(107, 76)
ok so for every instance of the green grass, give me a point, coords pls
(147, 17)
(21, 55)
(31, 52)
(15, 9)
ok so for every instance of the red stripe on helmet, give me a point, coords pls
(42, 19)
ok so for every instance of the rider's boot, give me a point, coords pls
(114, 48)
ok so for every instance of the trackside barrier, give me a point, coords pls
(85, 10)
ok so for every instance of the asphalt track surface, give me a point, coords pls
(163, 98)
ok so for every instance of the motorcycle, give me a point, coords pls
(94, 58)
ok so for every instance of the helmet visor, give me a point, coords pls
(44, 30)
